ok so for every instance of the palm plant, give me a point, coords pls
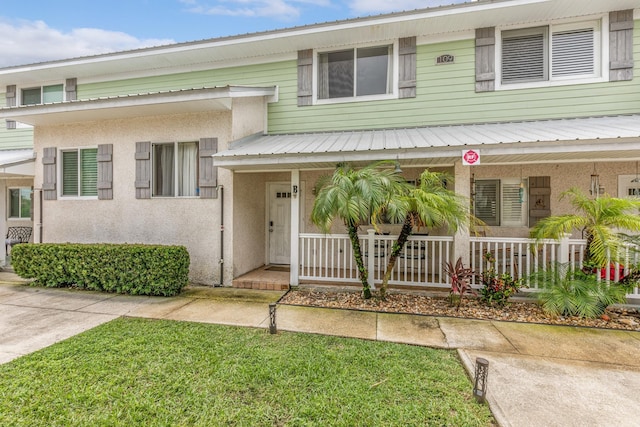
(353, 195)
(430, 204)
(599, 220)
(568, 292)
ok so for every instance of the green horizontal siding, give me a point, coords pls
(445, 95)
(15, 139)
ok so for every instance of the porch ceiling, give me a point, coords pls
(562, 141)
(138, 105)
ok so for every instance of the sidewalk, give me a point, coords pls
(538, 375)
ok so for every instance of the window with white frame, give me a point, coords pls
(356, 72)
(175, 169)
(551, 53)
(20, 203)
(501, 202)
(79, 172)
(42, 95)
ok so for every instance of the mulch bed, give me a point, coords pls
(471, 308)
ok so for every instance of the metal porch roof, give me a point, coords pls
(135, 105)
(560, 140)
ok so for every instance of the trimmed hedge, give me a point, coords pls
(123, 268)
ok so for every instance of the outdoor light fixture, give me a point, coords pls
(480, 381)
(272, 318)
(637, 178)
(397, 169)
(596, 189)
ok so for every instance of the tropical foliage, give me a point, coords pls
(497, 288)
(430, 204)
(460, 280)
(599, 219)
(353, 196)
(571, 292)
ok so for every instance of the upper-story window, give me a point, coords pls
(356, 72)
(42, 95)
(551, 53)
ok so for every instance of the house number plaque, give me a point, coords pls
(445, 59)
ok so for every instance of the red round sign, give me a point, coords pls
(471, 157)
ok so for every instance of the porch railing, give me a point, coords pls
(329, 258)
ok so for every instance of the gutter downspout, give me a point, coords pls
(221, 261)
(40, 224)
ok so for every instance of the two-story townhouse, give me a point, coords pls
(217, 144)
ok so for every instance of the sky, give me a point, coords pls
(34, 31)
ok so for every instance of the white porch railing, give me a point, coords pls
(329, 258)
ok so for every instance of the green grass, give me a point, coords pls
(135, 372)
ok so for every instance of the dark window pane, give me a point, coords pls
(31, 96)
(340, 74)
(373, 71)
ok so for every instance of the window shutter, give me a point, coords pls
(485, 59)
(49, 175)
(105, 172)
(143, 170)
(10, 96)
(408, 66)
(487, 201)
(208, 179)
(70, 87)
(524, 56)
(573, 53)
(621, 45)
(305, 77)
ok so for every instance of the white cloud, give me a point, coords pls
(279, 9)
(360, 7)
(34, 41)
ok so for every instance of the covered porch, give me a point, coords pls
(544, 158)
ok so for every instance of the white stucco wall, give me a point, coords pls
(192, 222)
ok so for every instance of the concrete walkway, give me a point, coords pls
(538, 375)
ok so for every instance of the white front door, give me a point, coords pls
(279, 223)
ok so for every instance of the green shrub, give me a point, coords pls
(122, 268)
(574, 293)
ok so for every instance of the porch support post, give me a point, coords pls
(295, 227)
(462, 187)
(563, 256)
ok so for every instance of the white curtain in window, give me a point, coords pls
(323, 76)
(163, 170)
(187, 172)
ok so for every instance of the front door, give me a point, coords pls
(279, 223)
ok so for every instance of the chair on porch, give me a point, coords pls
(16, 235)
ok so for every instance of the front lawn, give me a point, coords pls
(136, 372)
